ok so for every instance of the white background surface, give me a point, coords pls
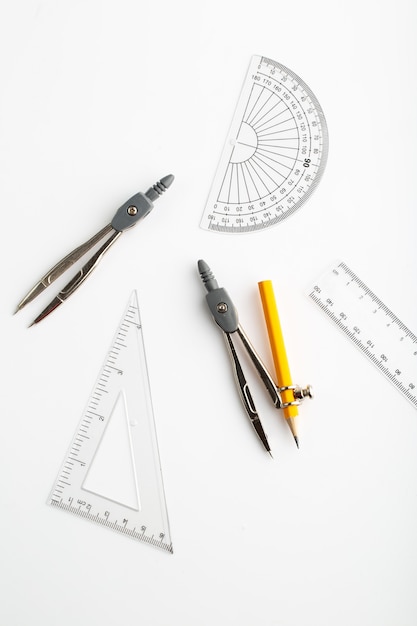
(99, 100)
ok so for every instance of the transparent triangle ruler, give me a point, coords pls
(111, 473)
(370, 325)
(274, 155)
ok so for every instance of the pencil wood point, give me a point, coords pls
(292, 425)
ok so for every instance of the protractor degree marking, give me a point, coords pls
(286, 110)
(267, 142)
(267, 149)
(251, 177)
(261, 209)
(270, 166)
(266, 174)
(265, 132)
(300, 83)
(313, 103)
(261, 150)
(258, 157)
(256, 102)
(244, 180)
(252, 121)
(302, 198)
(249, 163)
(258, 123)
(281, 139)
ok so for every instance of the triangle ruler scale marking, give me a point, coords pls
(111, 473)
(274, 155)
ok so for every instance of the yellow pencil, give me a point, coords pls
(279, 353)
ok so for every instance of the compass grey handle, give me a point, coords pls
(137, 207)
(140, 205)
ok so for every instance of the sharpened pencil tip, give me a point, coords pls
(270, 454)
(296, 441)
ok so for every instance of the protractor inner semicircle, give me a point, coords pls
(245, 145)
(265, 149)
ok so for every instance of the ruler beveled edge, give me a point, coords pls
(351, 335)
(113, 526)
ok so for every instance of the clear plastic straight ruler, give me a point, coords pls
(370, 325)
(111, 473)
(274, 155)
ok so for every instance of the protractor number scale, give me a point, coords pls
(274, 155)
(371, 326)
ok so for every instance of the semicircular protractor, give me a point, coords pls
(274, 155)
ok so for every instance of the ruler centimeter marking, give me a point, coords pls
(373, 328)
(123, 377)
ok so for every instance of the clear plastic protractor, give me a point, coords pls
(274, 155)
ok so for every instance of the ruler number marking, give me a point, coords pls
(388, 351)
